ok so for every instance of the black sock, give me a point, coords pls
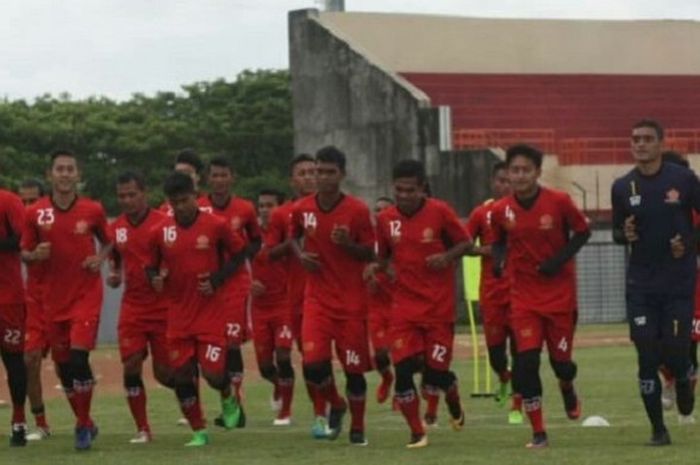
(651, 396)
(16, 376)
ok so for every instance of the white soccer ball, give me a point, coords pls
(595, 420)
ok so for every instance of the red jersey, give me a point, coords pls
(337, 286)
(186, 252)
(421, 294)
(132, 242)
(11, 224)
(493, 291)
(71, 233)
(280, 220)
(273, 275)
(243, 219)
(533, 236)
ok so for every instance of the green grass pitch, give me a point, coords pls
(606, 383)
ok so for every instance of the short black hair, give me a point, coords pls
(178, 184)
(501, 165)
(524, 150)
(409, 169)
(670, 156)
(301, 158)
(126, 177)
(653, 124)
(33, 183)
(279, 195)
(331, 154)
(190, 157)
(221, 161)
(385, 199)
(61, 153)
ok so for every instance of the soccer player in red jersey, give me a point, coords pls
(542, 231)
(379, 306)
(143, 313)
(194, 254)
(272, 315)
(188, 162)
(423, 238)
(338, 240)
(36, 343)
(60, 231)
(12, 310)
(241, 215)
(494, 292)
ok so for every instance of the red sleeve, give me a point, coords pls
(30, 238)
(295, 228)
(363, 225)
(233, 242)
(473, 226)
(497, 221)
(252, 227)
(575, 219)
(383, 239)
(15, 214)
(454, 229)
(154, 236)
(277, 229)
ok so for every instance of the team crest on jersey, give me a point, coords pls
(236, 223)
(635, 200)
(81, 227)
(202, 243)
(546, 222)
(673, 196)
(428, 235)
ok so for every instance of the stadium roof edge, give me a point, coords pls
(412, 43)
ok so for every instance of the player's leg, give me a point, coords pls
(515, 416)
(317, 367)
(496, 335)
(35, 348)
(133, 349)
(529, 333)
(559, 334)
(11, 348)
(676, 336)
(643, 317)
(406, 347)
(284, 339)
(379, 335)
(183, 352)
(158, 343)
(352, 348)
(439, 340)
(264, 344)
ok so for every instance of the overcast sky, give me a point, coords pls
(119, 47)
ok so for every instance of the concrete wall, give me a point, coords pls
(342, 98)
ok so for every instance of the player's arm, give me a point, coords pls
(231, 244)
(32, 249)
(455, 238)
(623, 227)
(382, 260)
(499, 249)
(578, 223)
(295, 232)
(474, 229)
(254, 235)
(94, 262)
(14, 222)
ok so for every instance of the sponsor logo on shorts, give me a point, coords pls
(174, 354)
(640, 321)
(526, 332)
(398, 343)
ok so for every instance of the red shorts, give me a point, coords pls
(208, 350)
(496, 321)
(64, 335)
(297, 322)
(12, 317)
(379, 325)
(432, 340)
(350, 336)
(36, 336)
(532, 329)
(236, 319)
(137, 335)
(271, 331)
